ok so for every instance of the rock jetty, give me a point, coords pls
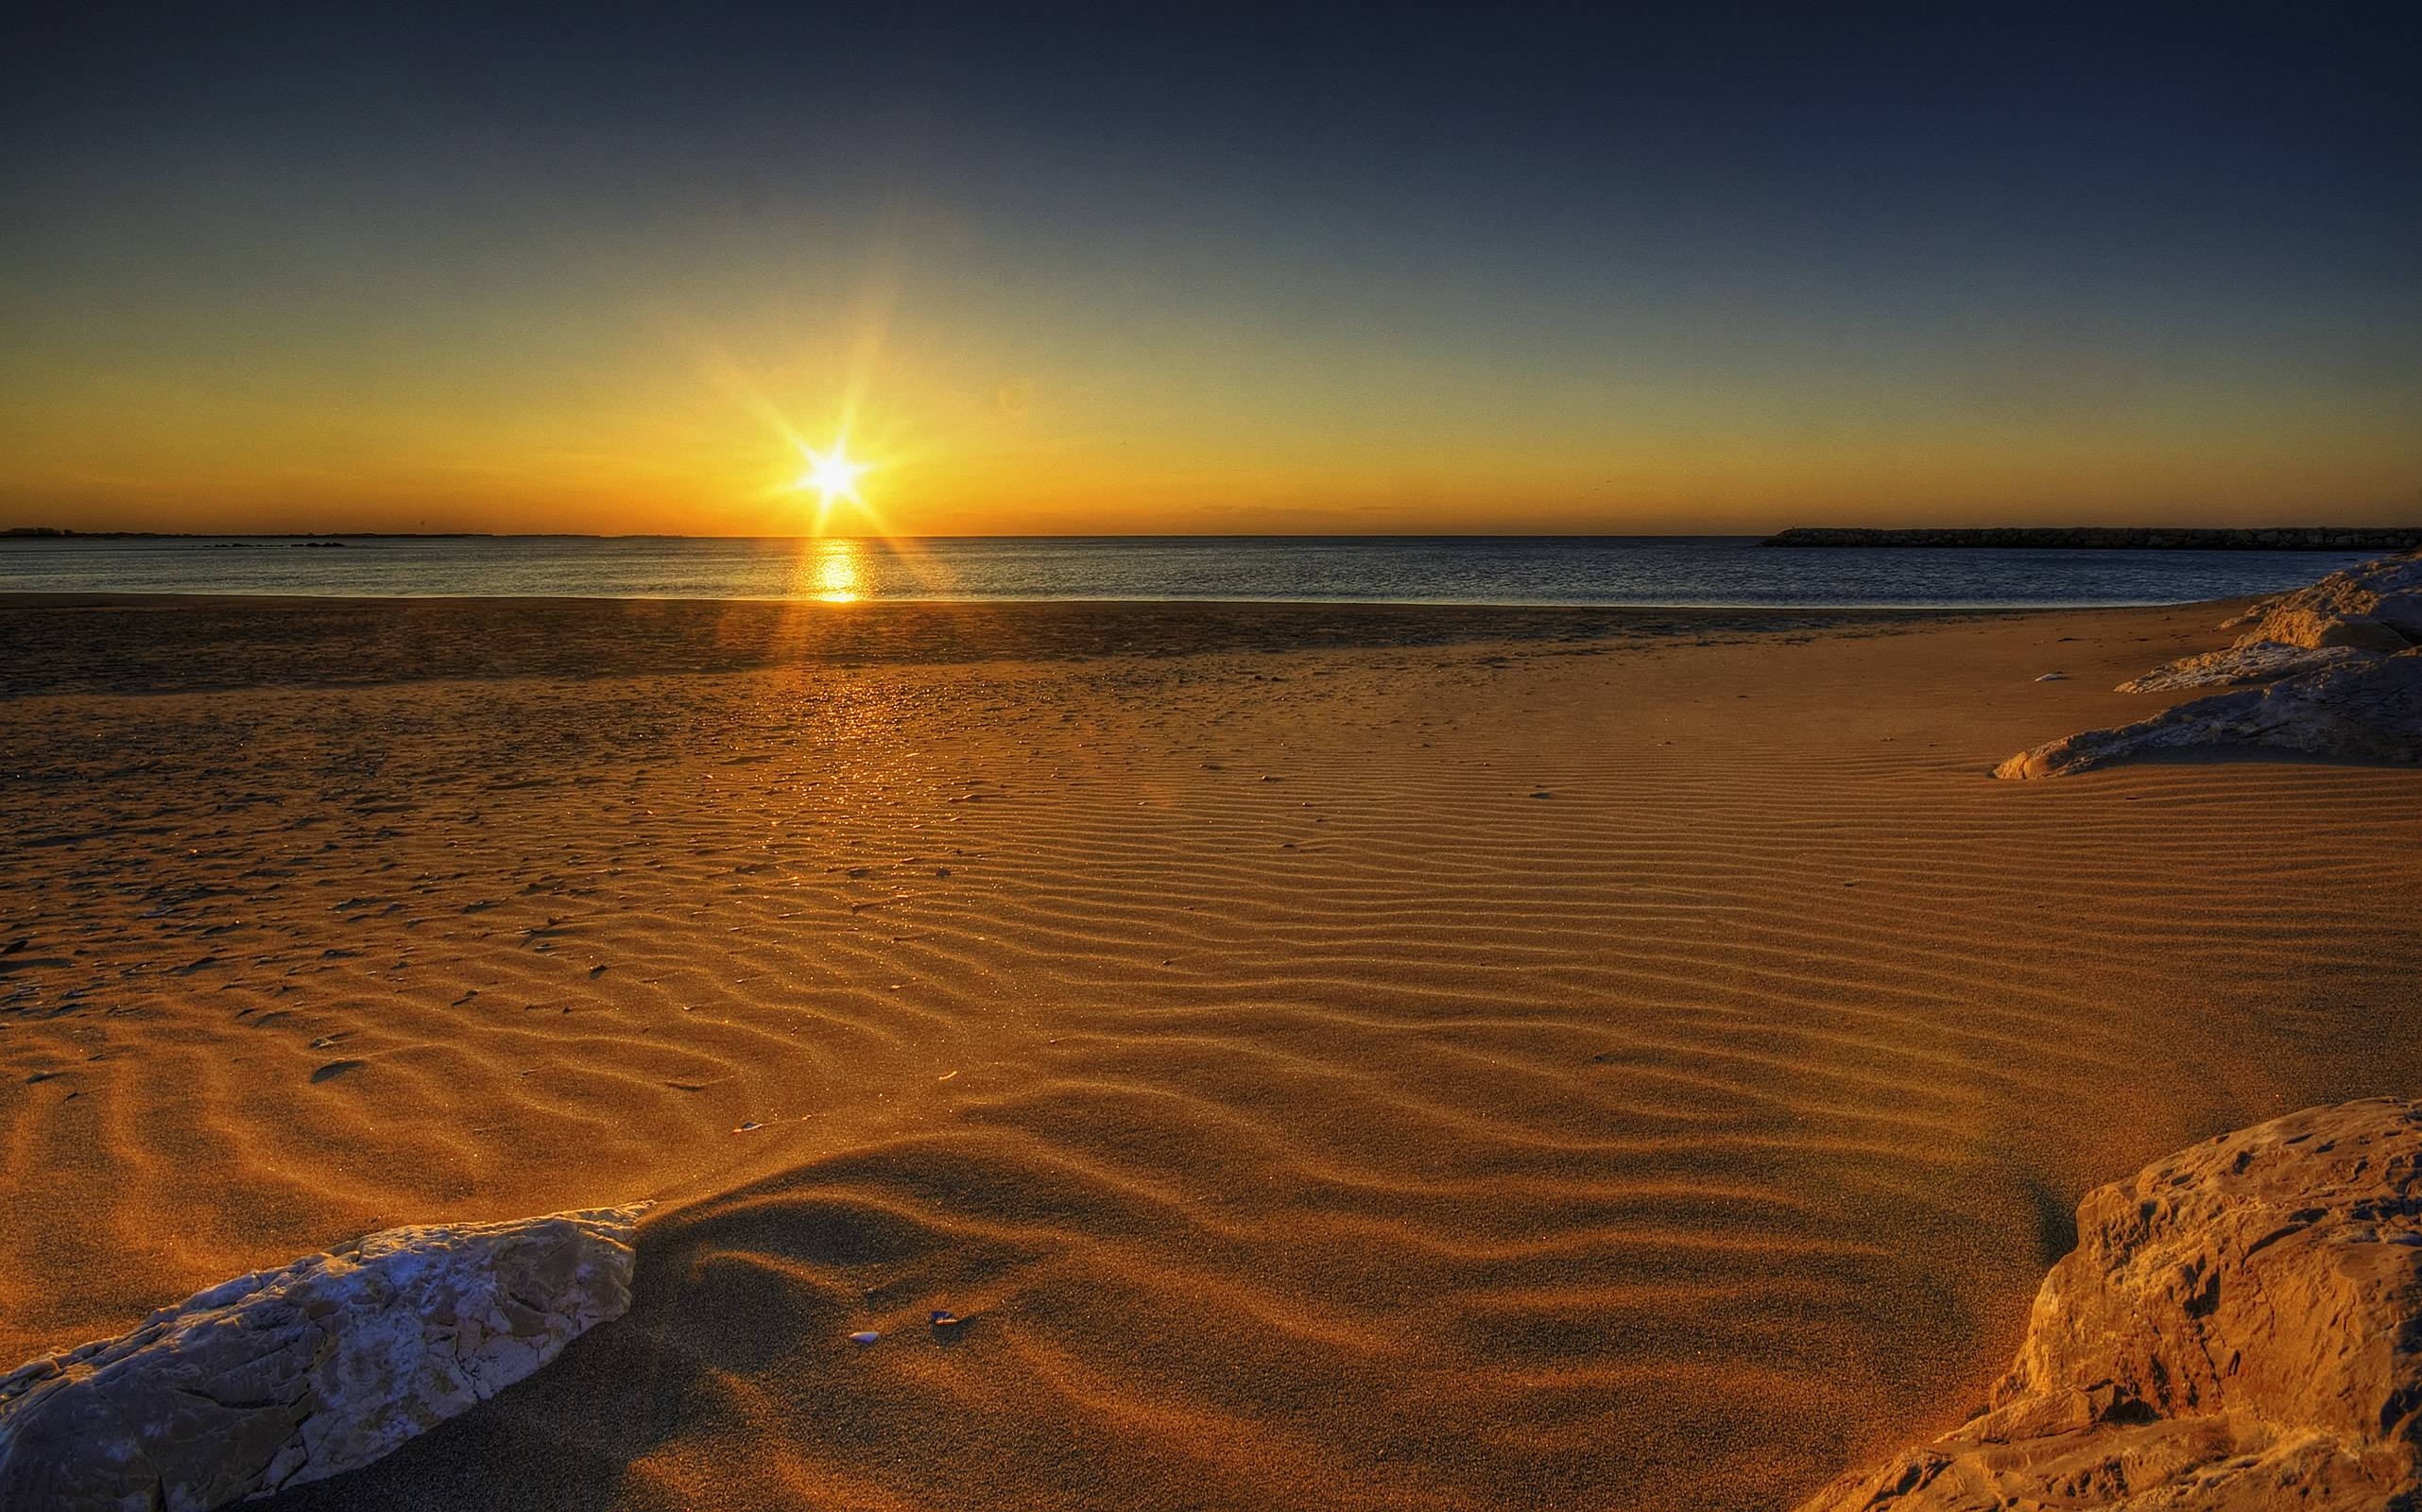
(282, 1377)
(2238, 1330)
(2120, 538)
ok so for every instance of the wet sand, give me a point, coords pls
(1330, 1056)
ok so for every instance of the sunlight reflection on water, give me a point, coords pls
(1639, 570)
(830, 568)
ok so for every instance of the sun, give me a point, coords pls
(830, 474)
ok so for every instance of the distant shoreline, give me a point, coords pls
(54, 533)
(2118, 537)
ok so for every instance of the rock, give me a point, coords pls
(2238, 1329)
(2375, 606)
(2365, 708)
(282, 1377)
(2315, 628)
(2246, 662)
(2338, 652)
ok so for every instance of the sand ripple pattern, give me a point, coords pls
(1460, 1076)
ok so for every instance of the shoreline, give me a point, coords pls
(161, 643)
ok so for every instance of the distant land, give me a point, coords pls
(54, 533)
(2120, 538)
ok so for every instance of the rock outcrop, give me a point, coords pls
(2238, 1330)
(2374, 610)
(2362, 709)
(2375, 606)
(287, 1376)
(2314, 629)
(2249, 660)
(2338, 656)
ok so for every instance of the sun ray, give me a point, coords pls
(831, 475)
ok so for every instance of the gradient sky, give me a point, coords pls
(1575, 269)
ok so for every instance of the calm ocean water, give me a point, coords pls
(1647, 569)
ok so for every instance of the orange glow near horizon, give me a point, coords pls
(980, 425)
(1289, 442)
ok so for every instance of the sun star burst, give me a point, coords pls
(831, 475)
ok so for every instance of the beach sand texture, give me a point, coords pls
(1387, 1058)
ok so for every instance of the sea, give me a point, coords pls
(1662, 571)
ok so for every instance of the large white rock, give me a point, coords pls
(2238, 1330)
(2246, 662)
(2375, 606)
(2368, 709)
(285, 1376)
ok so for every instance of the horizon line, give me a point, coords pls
(38, 533)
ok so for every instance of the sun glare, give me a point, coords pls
(831, 475)
(830, 570)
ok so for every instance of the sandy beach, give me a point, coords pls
(1330, 1056)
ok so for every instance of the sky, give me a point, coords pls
(1558, 270)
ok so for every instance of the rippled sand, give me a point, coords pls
(1328, 1057)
